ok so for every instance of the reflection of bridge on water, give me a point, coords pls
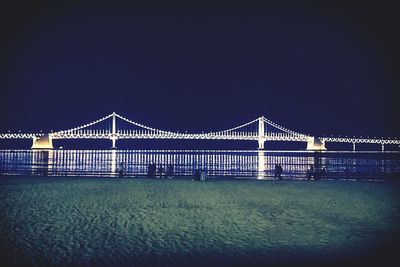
(260, 164)
(260, 130)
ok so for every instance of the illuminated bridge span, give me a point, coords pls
(115, 126)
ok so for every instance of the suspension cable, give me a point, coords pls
(282, 128)
(83, 126)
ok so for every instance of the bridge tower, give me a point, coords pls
(261, 133)
(114, 132)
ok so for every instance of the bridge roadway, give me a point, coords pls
(360, 140)
(172, 135)
(249, 136)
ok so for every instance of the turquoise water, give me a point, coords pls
(216, 163)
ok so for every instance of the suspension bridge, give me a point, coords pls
(115, 127)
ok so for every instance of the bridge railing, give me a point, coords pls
(361, 140)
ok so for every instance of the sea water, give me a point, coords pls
(252, 164)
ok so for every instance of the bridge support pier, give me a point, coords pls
(113, 143)
(383, 147)
(42, 142)
(261, 143)
(354, 146)
(314, 143)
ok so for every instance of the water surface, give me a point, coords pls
(216, 163)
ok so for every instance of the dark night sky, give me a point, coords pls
(319, 69)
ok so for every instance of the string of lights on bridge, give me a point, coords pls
(260, 129)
